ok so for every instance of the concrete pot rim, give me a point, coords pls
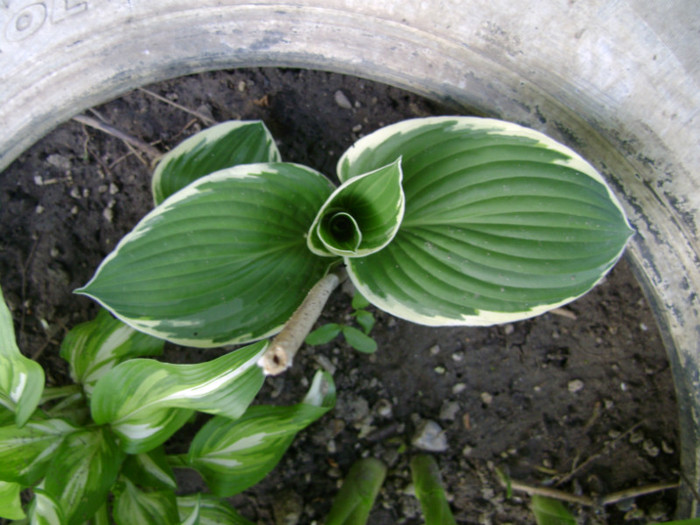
(616, 81)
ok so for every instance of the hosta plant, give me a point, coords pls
(440, 221)
(95, 449)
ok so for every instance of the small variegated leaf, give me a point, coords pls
(204, 509)
(233, 455)
(222, 146)
(82, 471)
(95, 347)
(150, 470)
(146, 401)
(21, 379)
(222, 261)
(45, 509)
(361, 216)
(25, 452)
(133, 505)
(501, 223)
(10, 502)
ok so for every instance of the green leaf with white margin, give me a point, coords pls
(82, 471)
(150, 469)
(133, 505)
(222, 261)
(21, 379)
(10, 502)
(95, 347)
(45, 509)
(25, 453)
(232, 455)
(146, 401)
(221, 146)
(203, 509)
(361, 216)
(502, 223)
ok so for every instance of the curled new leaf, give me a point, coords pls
(501, 222)
(362, 216)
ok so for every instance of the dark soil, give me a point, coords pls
(583, 403)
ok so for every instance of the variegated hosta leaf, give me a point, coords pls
(25, 452)
(133, 505)
(150, 470)
(21, 379)
(222, 261)
(203, 509)
(95, 347)
(354, 501)
(146, 401)
(360, 217)
(233, 455)
(222, 146)
(10, 502)
(45, 509)
(501, 223)
(82, 471)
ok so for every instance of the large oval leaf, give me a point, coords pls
(501, 222)
(222, 146)
(222, 261)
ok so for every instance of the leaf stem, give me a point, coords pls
(279, 355)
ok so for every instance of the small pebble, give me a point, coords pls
(429, 436)
(357, 128)
(467, 450)
(440, 370)
(508, 329)
(668, 449)
(59, 161)
(113, 188)
(241, 86)
(435, 350)
(486, 398)
(458, 356)
(459, 387)
(39, 209)
(575, 385)
(383, 408)
(449, 410)
(342, 100)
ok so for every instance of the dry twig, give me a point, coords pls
(279, 355)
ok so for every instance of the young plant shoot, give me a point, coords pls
(440, 221)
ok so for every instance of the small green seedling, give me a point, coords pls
(360, 340)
